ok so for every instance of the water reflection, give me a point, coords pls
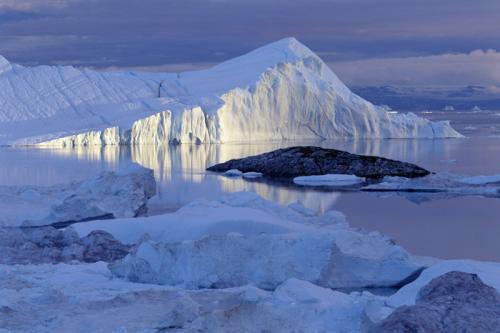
(181, 176)
(180, 170)
(469, 226)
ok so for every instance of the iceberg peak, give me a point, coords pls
(291, 44)
(4, 65)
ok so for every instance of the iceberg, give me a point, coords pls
(279, 91)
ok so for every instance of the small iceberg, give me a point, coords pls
(329, 180)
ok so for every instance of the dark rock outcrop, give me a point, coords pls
(307, 161)
(453, 302)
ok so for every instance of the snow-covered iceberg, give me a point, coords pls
(111, 194)
(279, 91)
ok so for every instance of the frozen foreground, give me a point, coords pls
(238, 264)
(280, 91)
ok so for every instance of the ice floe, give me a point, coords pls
(437, 186)
(111, 194)
(244, 239)
(329, 180)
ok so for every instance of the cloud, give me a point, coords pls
(30, 5)
(478, 67)
(192, 33)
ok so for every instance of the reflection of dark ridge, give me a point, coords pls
(407, 190)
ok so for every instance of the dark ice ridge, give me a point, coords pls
(48, 245)
(308, 161)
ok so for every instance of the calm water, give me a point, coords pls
(454, 228)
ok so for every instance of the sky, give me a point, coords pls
(366, 42)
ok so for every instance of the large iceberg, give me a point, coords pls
(279, 91)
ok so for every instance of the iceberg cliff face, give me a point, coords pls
(280, 91)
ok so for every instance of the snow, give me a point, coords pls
(279, 91)
(329, 180)
(5, 66)
(244, 239)
(111, 194)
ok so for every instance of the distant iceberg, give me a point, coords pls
(279, 91)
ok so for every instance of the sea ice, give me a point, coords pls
(480, 180)
(82, 299)
(244, 239)
(329, 180)
(123, 193)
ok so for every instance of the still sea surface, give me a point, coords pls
(466, 227)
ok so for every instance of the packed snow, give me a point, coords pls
(123, 193)
(329, 180)
(279, 91)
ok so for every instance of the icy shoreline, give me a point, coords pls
(240, 263)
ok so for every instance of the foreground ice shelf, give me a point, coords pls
(239, 263)
(279, 91)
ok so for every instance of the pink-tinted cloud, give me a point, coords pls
(479, 67)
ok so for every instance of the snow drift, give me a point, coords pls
(280, 91)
